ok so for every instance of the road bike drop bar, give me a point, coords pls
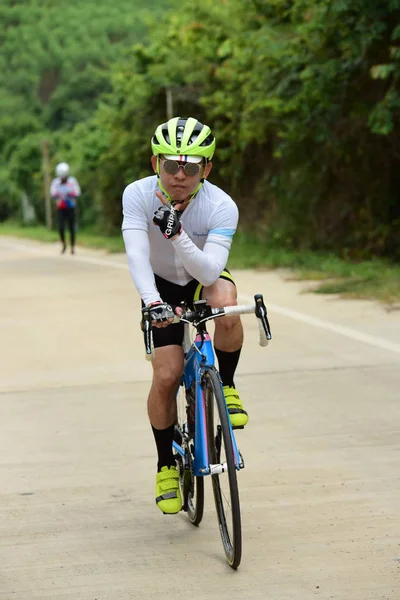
(205, 313)
(258, 308)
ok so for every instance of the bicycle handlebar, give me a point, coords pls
(203, 312)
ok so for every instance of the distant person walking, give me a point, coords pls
(65, 189)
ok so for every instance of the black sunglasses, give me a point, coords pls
(172, 167)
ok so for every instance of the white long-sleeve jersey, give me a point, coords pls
(200, 252)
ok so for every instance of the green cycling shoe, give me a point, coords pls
(239, 417)
(168, 494)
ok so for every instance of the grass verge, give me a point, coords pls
(374, 279)
(86, 237)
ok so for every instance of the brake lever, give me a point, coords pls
(261, 313)
(147, 329)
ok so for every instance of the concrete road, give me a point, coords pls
(320, 491)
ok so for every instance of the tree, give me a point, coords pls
(55, 65)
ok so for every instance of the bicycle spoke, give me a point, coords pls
(192, 488)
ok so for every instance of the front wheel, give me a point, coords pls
(192, 488)
(225, 487)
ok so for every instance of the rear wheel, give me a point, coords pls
(225, 487)
(192, 488)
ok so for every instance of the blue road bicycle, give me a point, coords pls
(204, 441)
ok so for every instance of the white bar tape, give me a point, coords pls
(149, 357)
(240, 309)
(263, 338)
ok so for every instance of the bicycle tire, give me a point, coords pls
(219, 438)
(192, 487)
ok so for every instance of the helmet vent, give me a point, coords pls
(165, 133)
(179, 135)
(209, 140)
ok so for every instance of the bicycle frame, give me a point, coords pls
(198, 359)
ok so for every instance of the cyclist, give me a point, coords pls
(178, 228)
(65, 189)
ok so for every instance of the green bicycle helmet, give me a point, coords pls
(180, 136)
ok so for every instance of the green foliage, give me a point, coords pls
(55, 64)
(307, 99)
(9, 194)
(303, 96)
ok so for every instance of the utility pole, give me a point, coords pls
(170, 103)
(44, 146)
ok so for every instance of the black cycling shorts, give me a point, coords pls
(176, 294)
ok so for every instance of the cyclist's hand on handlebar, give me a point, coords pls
(178, 311)
(161, 314)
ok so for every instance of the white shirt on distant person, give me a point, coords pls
(65, 192)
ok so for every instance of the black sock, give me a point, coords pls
(227, 362)
(164, 438)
